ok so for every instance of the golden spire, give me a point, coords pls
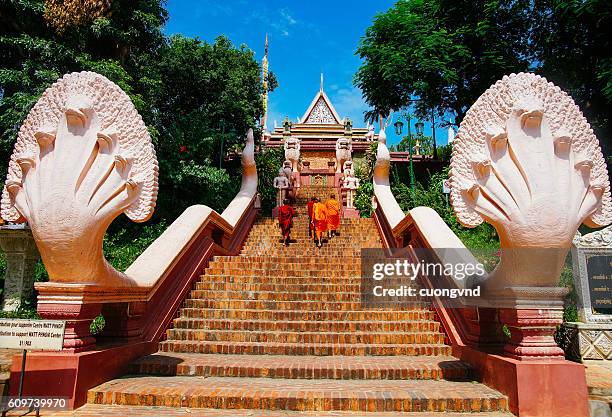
(264, 82)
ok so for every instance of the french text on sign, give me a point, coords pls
(32, 334)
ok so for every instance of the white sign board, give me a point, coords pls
(446, 186)
(32, 334)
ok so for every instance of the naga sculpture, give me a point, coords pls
(344, 152)
(526, 160)
(83, 156)
(292, 152)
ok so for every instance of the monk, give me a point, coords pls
(333, 216)
(286, 213)
(310, 223)
(319, 216)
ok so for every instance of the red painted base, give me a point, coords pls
(66, 374)
(535, 388)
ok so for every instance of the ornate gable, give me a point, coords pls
(321, 111)
(321, 114)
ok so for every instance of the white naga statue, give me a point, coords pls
(526, 160)
(281, 183)
(350, 183)
(344, 152)
(292, 152)
(83, 156)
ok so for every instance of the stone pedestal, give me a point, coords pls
(78, 318)
(78, 305)
(21, 257)
(532, 333)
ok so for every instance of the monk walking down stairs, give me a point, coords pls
(286, 213)
(333, 216)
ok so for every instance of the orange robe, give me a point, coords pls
(333, 214)
(285, 219)
(319, 215)
(310, 221)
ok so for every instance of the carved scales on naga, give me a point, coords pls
(83, 156)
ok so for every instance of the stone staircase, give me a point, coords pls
(280, 331)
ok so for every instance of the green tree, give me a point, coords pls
(268, 161)
(573, 47)
(197, 98)
(120, 46)
(210, 95)
(445, 52)
(448, 52)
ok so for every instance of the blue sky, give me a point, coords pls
(306, 38)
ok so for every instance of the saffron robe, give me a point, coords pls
(285, 219)
(333, 214)
(310, 220)
(319, 215)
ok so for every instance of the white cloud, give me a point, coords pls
(279, 22)
(287, 17)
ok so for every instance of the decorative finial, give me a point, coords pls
(266, 44)
(321, 88)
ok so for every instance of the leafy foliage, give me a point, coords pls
(126, 241)
(448, 52)
(269, 160)
(97, 325)
(445, 52)
(197, 99)
(573, 49)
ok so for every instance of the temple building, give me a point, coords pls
(319, 134)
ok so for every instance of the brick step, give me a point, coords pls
(303, 349)
(352, 264)
(345, 233)
(101, 410)
(274, 296)
(308, 326)
(303, 262)
(294, 251)
(293, 305)
(278, 296)
(336, 279)
(311, 395)
(283, 270)
(301, 228)
(307, 367)
(351, 338)
(205, 284)
(348, 286)
(293, 315)
(339, 242)
(301, 232)
(282, 259)
(296, 248)
(303, 216)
